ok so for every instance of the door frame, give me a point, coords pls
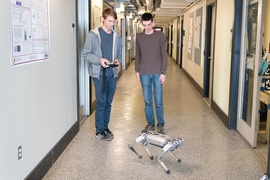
(123, 35)
(207, 52)
(83, 21)
(249, 132)
(178, 46)
(181, 42)
(171, 39)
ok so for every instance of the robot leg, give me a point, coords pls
(178, 160)
(145, 146)
(141, 138)
(161, 162)
(130, 146)
(167, 148)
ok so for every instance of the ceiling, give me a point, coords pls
(168, 10)
(163, 10)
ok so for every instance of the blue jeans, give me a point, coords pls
(148, 82)
(104, 101)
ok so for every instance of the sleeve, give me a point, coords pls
(119, 49)
(164, 55)
(88, 50)
(137, 56)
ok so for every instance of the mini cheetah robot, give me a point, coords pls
(163, 141)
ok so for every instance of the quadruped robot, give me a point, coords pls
(163, 141)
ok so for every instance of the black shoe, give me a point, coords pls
(109, 133)
(161, 129)
(147, 128)
(102, 135)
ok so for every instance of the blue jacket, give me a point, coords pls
(92, 52)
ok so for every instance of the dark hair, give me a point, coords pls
(109, 12)
(147, 17)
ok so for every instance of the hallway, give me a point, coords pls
(210, 150)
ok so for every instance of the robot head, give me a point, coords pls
(178, 142)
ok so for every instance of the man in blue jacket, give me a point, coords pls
(103, 46)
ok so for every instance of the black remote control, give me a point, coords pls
(112, 64)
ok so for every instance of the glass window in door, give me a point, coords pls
(251, 29)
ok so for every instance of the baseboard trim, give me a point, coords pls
(47, 162)
(221, 115)
(195, 84)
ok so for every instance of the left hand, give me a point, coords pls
(117, 62)
(162, 78)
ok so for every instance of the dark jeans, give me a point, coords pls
(104, 101)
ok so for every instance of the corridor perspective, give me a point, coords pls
(210, 151)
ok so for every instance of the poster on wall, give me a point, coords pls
(197, 37)
(29, 24)
(97, 17)
(198, 32)
(190, 36)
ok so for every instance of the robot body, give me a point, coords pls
(165, 142)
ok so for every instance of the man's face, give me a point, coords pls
(109, 22)
(148, 26)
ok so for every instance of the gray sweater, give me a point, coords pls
(151, 53)
(92, 52)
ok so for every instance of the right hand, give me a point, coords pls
(103, 61)
(138, 76)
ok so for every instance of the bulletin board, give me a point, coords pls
(198, 37)
(190, 36)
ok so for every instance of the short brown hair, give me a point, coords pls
(109, 12)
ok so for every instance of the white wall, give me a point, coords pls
(193, 69)
(222, 61)
(174, 40)
(222, 54)
(37, 101)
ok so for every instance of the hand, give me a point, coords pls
(117, 62)
(103, 62)
(162, 78)
(138, 76)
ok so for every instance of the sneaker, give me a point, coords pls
(147, 128)
(102, 135)
(109, 133)
(160, 129)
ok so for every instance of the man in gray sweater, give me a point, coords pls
(150, 67)
(103, 46)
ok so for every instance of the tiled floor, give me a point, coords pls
(210, 150)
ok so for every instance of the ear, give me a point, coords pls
(153, 25)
